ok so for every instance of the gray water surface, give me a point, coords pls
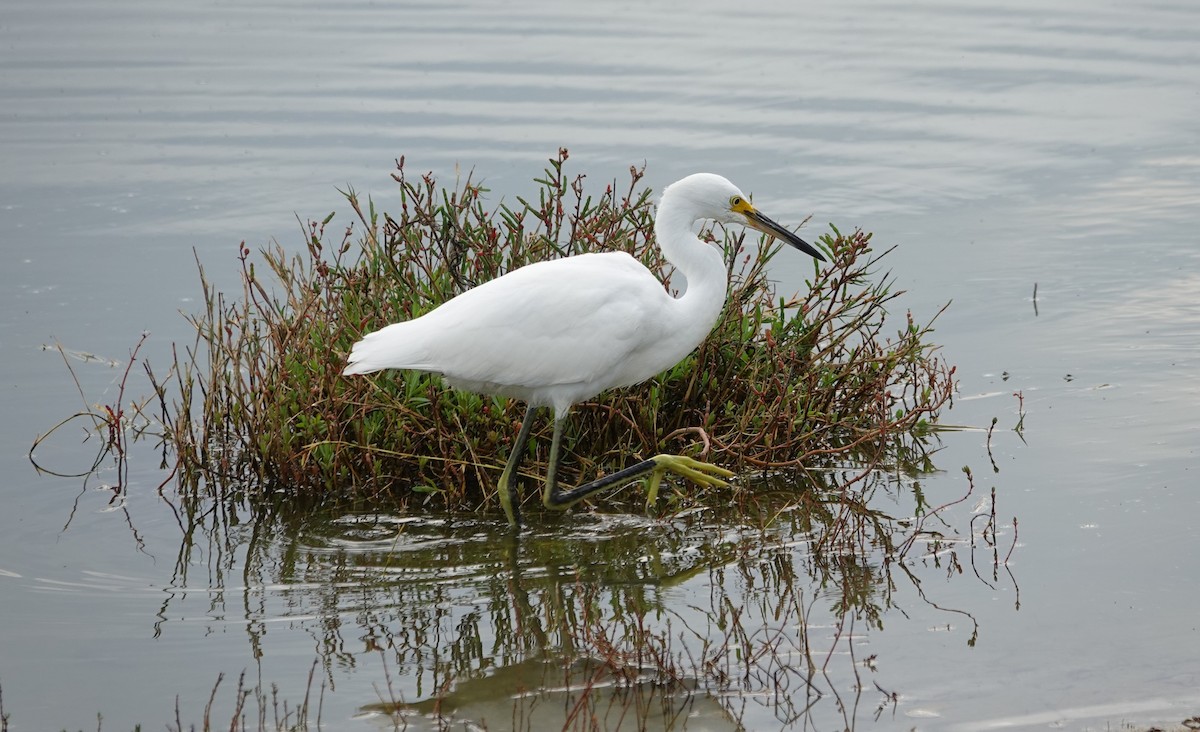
(998, 148)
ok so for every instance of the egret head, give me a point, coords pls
(714, 197)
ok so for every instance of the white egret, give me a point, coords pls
(556, 333)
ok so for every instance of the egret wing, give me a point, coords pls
(558, 322)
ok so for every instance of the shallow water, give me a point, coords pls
(999, 148)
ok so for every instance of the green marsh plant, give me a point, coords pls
(785, 383)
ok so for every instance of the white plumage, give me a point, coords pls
(555, 333)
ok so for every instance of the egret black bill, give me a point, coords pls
(757, 220)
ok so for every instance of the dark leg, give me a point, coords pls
(507, 488)
(694, 470)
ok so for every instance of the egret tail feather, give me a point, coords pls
(393, 347)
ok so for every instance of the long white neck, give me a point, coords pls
(700, 305)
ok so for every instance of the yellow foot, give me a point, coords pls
(705, 474)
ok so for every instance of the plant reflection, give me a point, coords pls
(757, 614)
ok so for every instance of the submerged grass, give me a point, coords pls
(257, 405)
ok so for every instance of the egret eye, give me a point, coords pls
(735, 201)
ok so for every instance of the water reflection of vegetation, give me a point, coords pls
(748, 613)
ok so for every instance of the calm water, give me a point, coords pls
(998, 148)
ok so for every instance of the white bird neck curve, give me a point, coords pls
(700, 262)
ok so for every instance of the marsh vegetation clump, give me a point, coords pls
(785, 382)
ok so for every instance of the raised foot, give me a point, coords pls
(705, 474)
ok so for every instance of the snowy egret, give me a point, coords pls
(555, 333)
